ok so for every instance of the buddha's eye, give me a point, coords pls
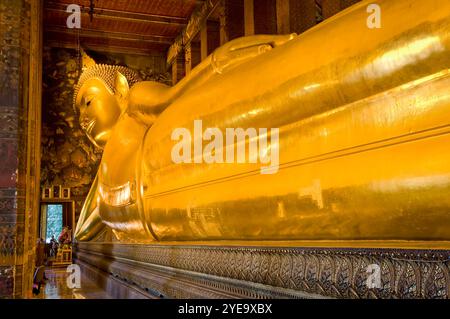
(89, 100)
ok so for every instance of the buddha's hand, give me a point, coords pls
(243, 49)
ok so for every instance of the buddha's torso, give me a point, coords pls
(117, 175)
(118, 162)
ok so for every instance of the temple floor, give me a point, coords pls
(56, 287)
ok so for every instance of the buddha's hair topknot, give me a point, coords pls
(107, 74)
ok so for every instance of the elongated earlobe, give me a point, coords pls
(121, 85)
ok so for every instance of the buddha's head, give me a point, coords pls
(100, 98)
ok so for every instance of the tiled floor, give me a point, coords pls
(56, 287)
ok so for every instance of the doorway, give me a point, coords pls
(53, 217)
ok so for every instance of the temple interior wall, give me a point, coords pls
(20, 111)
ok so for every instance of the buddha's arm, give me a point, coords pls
(226, 57)
(89, 224)
(148, 99)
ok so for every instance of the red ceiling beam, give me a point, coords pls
(121, 15)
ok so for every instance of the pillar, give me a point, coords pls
(188, 58)
(283, 17)
(303, 15)
(223, 23)
(178, 69)
(249, 17)
(20, 109)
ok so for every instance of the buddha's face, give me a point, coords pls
(99, 110)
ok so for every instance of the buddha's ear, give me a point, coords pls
(121, 85)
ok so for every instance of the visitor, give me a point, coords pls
(38, 279)
(40, 252)
(65, 238)
(53, 246)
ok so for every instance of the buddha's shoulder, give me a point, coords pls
(128, 131)
(125, 140)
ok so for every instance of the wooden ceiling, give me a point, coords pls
(122, 26)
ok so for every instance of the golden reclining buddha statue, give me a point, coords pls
(364, 145)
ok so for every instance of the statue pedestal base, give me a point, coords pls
(213, 271)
